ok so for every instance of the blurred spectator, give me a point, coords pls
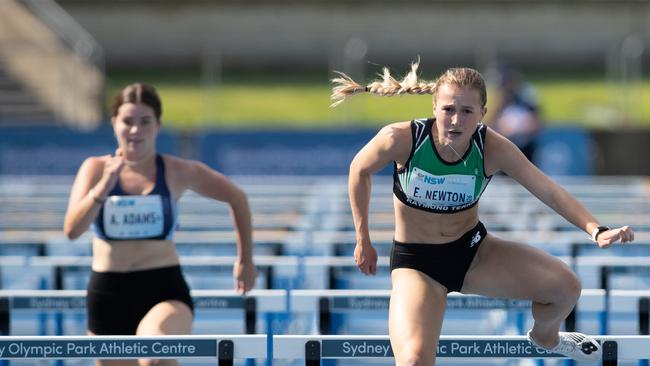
(516, 115)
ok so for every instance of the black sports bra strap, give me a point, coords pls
(160, 169)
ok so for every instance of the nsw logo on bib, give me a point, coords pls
(133, 217)
(440, 191)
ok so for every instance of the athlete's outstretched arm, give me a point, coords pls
(505, 156)
(392, 143)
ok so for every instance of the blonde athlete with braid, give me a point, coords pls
(442, 166)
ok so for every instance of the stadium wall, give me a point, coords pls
(310, 33)
(59, 151)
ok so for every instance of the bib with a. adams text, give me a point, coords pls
(133, 217)
(434, 191)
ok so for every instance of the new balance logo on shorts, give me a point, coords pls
(475, 239)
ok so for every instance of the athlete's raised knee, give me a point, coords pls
(562, 287)
(567, 287)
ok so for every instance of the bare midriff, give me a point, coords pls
(132, 255)
(417, 226)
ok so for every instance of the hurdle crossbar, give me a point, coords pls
(315, 348)
(348, 301)
(57, 300)
(253, 303)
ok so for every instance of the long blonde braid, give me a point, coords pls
(386, 86)
(345, 87)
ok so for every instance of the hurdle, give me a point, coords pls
(601, 269)
(272, 266)
(326, 302)
(313, 349)
(40, 242)
(256, 301)
(634, 266)
(224, 348)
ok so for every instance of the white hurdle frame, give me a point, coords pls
(255, 302)
(314, 348)
(225, 348)
(347, 301)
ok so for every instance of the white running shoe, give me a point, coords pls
(574, 345)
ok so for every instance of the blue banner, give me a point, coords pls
(49, 302)
(360, 303)
(464, 302)
(79, 302)
(139, 348)
(565, 151)
(479, 302)
(284, 152)
(60, 151)
(213, 302)
(446, 348)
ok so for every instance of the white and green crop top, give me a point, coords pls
(429, 183)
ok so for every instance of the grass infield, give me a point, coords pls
(261, 101)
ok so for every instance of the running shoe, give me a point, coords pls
(574, 345)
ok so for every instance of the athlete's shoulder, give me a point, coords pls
(173, 161)
(183, 173)
(95, 163)
(395, 133)
(98, 159)
(403, 125)
(182, 166)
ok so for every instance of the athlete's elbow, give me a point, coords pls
(238, 199)
(71, 235)
(359, 170)
(70, 231)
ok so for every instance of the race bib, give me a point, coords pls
(133, 217)
(433, 191)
